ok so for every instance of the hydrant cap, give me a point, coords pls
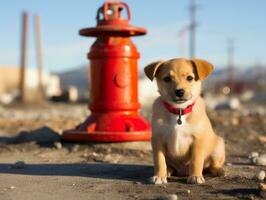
(111, 23)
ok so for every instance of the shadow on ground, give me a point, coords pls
(41, 136)
(238, 192)
(93, 170)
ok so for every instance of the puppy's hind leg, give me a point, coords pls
(169, 165)
(218, 158)
(170, 171)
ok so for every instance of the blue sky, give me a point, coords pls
(63, 48)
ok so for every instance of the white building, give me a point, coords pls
(10, 78)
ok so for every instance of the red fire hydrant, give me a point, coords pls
(113, 81)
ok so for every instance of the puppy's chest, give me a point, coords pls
(180, 138)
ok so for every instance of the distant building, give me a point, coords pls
(10, 78)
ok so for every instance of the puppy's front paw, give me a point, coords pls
(157, 180)
(196, 179)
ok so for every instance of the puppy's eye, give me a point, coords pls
(190, 78)
(167, 79)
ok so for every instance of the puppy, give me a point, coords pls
(183, 140)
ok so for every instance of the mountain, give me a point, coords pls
(79, 76)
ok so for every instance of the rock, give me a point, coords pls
(234, 104)
(228, 164)
(168, 197)
(254, 155)
(58, 145)
(41, 136)
(188, 191)
(254, 160)
(18, 165)
(260, 175)
(12, 187)
(261, 160)
(94, 154)
(262, 188)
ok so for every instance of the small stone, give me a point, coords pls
(12, 187)
(234, 104)
(58, 145)
(168, 197)
(254, 155)
(228, 164)
(254, 160)
(94, 154)
(261, 160)
(260, 175)
(18, 165)
(188, 191)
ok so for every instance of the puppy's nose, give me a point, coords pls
(180, 92)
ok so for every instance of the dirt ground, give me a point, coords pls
(35, 164)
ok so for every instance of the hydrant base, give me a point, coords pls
(83, 136)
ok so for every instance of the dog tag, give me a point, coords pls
(179, 121)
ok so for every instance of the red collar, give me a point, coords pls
(178, 111)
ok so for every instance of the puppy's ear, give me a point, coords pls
(203, 68)
(151, 69)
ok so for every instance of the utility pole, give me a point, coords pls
(192, 28)
(182, 34)
(37, 26)
(230, 69)
(22, 85)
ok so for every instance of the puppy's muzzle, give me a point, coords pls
(179, 93)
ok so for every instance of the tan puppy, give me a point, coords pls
(182, 136)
